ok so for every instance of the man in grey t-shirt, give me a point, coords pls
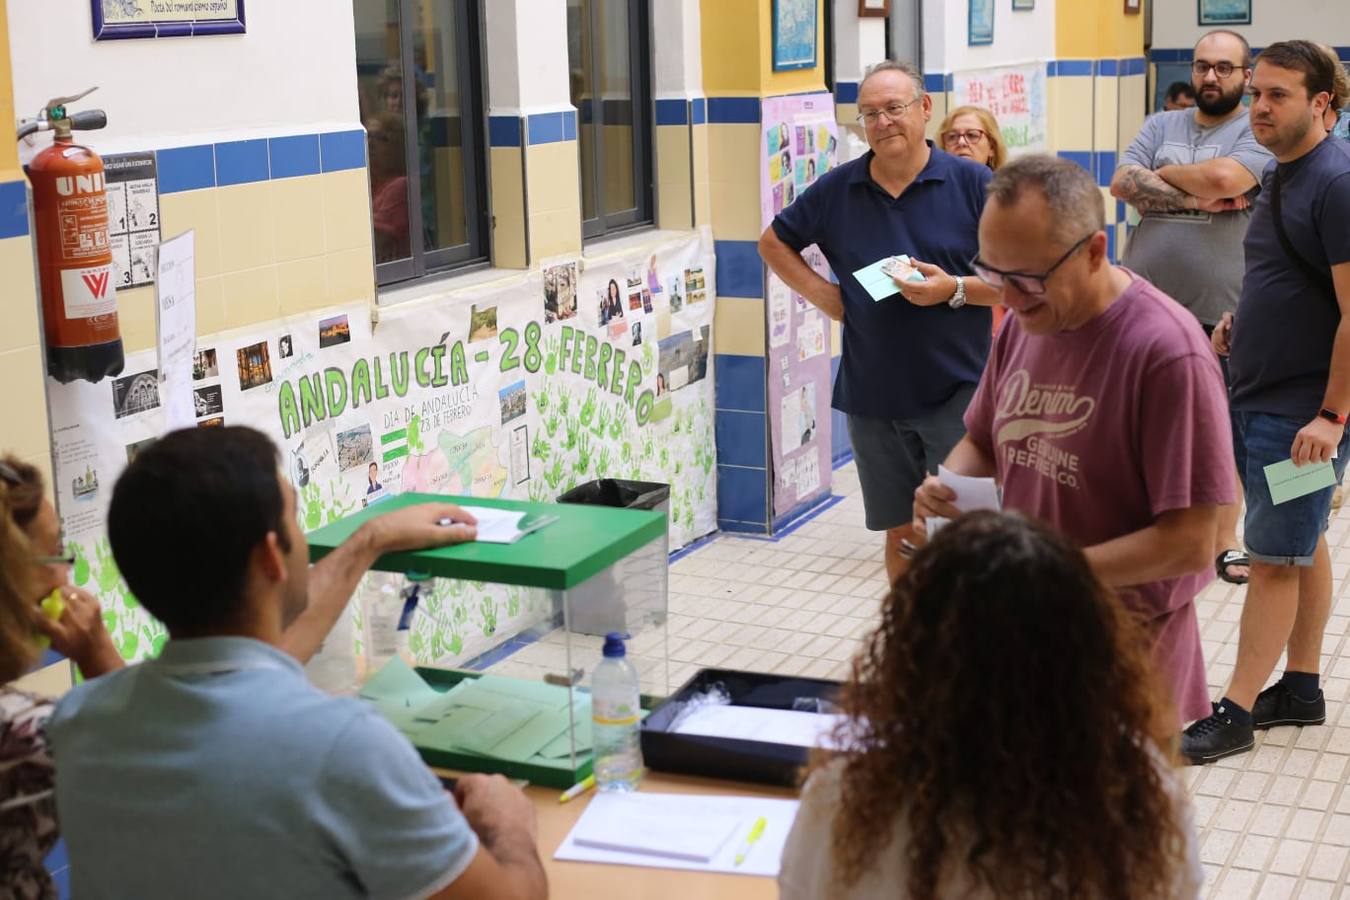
(1189, 173)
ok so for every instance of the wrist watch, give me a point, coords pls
(958, 299)
(1332, 416)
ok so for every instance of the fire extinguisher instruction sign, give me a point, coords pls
(133, 216)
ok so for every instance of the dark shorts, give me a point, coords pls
(1284, 534)
(1223, 360)
(894, 456)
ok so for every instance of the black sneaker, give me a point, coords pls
(1277, 705)
(1215, 737)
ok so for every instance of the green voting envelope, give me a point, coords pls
(1289, 482)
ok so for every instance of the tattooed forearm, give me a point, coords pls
(1146, 192)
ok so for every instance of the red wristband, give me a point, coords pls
(1332, 416)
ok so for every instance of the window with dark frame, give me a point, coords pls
(609, 53)
(419, 78)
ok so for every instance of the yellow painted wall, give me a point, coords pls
(737, 42)
(9, 154)
(797, 80)
(1097, 29)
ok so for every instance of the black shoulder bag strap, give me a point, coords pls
(1315, 275)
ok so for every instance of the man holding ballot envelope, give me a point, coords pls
(914, 342)
(1102, 411)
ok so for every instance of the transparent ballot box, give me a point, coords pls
(519, 704)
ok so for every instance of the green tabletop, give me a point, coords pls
(584, 541)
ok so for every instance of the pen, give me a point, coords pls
(755, 834)
(577, 789)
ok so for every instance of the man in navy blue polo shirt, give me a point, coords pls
(911, 360)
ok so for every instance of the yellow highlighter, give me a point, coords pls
(577, 789)
(755, 834)
(52, 607)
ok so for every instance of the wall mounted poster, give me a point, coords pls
(1224, 12)
(794, 34)
(121, 19)
(980, 22)
(799, 144)
(433, 400)
(1016, 97)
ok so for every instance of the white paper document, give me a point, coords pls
(681, 831)
(176, 322)
(503, 526)
(752, 723)
(971, 494)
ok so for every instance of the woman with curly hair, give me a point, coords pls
(32, 565)
(1004, 739)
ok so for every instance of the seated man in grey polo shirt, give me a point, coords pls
(217, 770)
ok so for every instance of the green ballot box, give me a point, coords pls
(522, 706)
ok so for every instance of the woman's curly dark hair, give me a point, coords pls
(1006, 708)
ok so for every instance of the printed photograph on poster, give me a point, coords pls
(676, 300)
(133, 449)
(354, 448)
(617, 329)
(482, 324)
(255, 366)
(634, 297)
(132, 187)
(693, 285)
(204, 364)
(776, 139)
(646, 301)
(611, 303)
(512, 401)
(808, 474)
(520, 454)
(84, 487)
(637, 334)
(134, 394)
(334, 331)
(683, 359)
(798, 417)
(560, 292)
(213, 422)
(299, 467)
(208, 401)
(780, 311)
(661, 387)
(285, 348)
(373, 483)
(653, 283)
(810, 337)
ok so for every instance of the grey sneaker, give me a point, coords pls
(1277, 705)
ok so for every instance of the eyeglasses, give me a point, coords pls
(893, 111)
(971, 136)
(1023, 281)
(1221, 69)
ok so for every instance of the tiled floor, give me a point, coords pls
(1273, 823)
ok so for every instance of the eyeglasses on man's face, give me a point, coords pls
(1221, 69)
(971, 136)
(1025, 282)
(892, 112)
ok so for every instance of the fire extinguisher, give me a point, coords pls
(75, 262)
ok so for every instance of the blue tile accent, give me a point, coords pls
(841, 448)
(1172, 54)
(934, 82)
(504, 131)
(13, 209)
(294, 156)
(1120, 211)
(1135, 65)
(1050, 67)
(700, 110)
(1082, 157)
(1111, 243)
(740, 438)
(1106, 166)
(672, 112)
(569, 125)
(740, 271)
(1073, 67)
(742, 494)
(733, 110)
(186, 168)
(802, 513)
(738, 382)
(545, 128)
(846, 92)
(241, 162)
(730, 526)
(343, 150)
(1108, 68)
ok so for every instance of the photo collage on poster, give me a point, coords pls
(797, 154)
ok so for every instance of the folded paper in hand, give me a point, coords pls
(971, 494)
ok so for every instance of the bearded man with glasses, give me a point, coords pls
(1102, 411)
(911, 359)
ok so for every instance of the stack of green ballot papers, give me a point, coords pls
(501, 718)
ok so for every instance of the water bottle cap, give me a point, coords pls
(614, 648)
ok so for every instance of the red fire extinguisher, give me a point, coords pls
(75, 262)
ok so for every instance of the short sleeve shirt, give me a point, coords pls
(1101, 430)
(1286, 323)
(900, 361)
(218, 771)
(27, 801)
(1165, 246)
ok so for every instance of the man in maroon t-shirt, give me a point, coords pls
(1102, 410)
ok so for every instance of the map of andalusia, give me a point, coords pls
(464, 464)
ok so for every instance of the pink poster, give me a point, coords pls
(799, 144)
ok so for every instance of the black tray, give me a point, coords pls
(732, 758)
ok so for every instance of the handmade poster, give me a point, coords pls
(800, 144)
(474, 394)
(1016, 97)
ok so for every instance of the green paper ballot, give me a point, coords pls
(398, 685)
(1289, 482)
(877, 283)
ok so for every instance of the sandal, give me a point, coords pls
(1227, 559)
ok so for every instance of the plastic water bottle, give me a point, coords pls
(615, 718)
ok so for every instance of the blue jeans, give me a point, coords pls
(1284, 534)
